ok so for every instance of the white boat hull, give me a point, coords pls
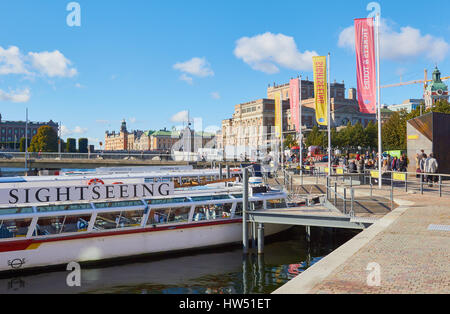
(96, 247)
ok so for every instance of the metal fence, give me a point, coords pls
(423, 183)
(84, 156)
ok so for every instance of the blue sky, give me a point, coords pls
(146, 61)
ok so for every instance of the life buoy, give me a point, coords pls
(95, 181)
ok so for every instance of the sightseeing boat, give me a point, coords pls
(45, 224)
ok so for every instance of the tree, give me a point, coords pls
(22, 144)
(71, 145)
(45, 140)
(371, 135)
(393, 132)
(83, 145)
(314, 138)
(290, 142)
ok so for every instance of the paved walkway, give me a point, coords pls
(412, 259)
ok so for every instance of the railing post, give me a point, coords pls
(328, 194)
(440, 186)
(335, 193)
(345, 200)
(352, 198)
(421, 183)
(392, 192)
(406, 182)
(244, 213)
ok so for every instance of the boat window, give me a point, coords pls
(167, 200)
(210, 198)
(77, 223)
(118, 204)
(115, 220)
(252, 206)
(238, 195)
(49, 225)
(168, 215)
(280, 203)
(185, 180)
(212, 212)
(106, 221)
(130, 219)
(62, 224)
(16, 210)
(14, 228)
(53, 208)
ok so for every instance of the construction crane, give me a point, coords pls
(424, 81)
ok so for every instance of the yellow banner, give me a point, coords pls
(340, 171)
(399, 176)
(277, 97)
(320, 89)
(375, 174)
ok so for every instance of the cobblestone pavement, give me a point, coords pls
(412, 259)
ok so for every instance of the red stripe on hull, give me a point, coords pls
(23, 244)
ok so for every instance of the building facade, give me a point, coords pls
(252, 123)
(408, 105)
(12, 131)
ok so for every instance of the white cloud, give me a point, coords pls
(195, 67)
(181, 116)
(266, 52)
(11, 61)
(78, 85)
(398, 45)
(65, 131)
(52, 64)
(132, 120)
(15, 96)
(186, 78)
(215, 95)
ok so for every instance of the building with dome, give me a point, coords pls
(436, 90)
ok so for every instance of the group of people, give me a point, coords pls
(428, 165)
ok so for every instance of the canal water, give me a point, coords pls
(213, 271)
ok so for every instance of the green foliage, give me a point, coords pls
(45, 140)
(393, 132)
(22, 144)
(315, 137)
(83, 145)
(71, 145)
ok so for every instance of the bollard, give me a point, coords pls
(406, 182)
(371, 187)
(260, 238)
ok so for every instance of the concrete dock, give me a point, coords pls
(410, 248)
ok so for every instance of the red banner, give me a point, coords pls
(365, 65)
(294, 100)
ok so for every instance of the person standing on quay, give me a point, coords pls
(431, 166)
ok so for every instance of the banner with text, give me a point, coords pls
(90, 193)
(277, 97)
(365, 65)
(320, 89)
(294, 86)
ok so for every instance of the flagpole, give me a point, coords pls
(329, 117)
(26, 143)
(379, 100)
(281, 123)
(300, 138)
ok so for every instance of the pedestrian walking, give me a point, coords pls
(431, 166)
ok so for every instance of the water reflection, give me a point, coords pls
(219, 271)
